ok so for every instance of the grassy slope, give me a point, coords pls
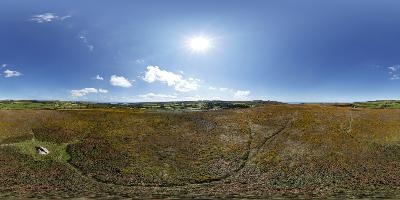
(392, 104)
(285, 150)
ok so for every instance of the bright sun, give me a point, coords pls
(199, 44)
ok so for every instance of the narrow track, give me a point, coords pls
(350, 128)
(249, 154)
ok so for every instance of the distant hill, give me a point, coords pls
(178, 105)
(393, 104)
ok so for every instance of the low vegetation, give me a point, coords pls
(394, 104)
(300, 151)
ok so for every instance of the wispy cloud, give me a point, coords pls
(394, 77)
(139, 61)
(120, 81)
(4, 65)
(223, 89)
(98, 77)
(154, 73)
(192, 98)
(241, 94)
(157, 97)
(48, 17)
(394, 72)
(103, 90)
(85, 91)
(9, 73)
(167, 97)
(83, 37)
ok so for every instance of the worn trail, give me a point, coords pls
(249, 154)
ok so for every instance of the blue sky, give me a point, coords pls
(128, 50)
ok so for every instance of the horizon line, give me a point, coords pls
(248, 100)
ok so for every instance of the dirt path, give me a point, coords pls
(350, 128)
(245, 158)
(250, 153)
(265, 141)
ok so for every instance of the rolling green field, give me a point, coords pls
(265, 151)
(388, 104)
(181, 105)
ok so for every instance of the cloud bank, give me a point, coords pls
(154, 73)
(85, 91)
(157, 97)
(242, 94)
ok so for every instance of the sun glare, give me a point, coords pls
(199, 44)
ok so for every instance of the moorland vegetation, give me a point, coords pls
(258, 152)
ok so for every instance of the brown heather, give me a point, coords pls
(268, 151)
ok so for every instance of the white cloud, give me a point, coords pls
(215, 98)
(394, 72)
(221, 89)
(48, 17)
(85, 91)
(154, 73)
(241, 94)
(98, 77)
(192, 98)
(4, 65)
(103, 90)
(120, 81)
(8, 73)
(157, 97)
(186, 85)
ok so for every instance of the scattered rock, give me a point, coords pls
(42, 151)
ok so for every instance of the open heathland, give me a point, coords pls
(290, 151)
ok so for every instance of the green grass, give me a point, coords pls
(38, 105)
(58, 152)
(391, 104)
